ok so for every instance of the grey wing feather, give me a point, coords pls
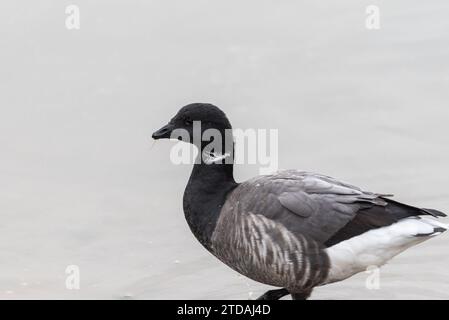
(295, 202)
(308, 203)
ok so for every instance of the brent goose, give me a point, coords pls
(294, 230)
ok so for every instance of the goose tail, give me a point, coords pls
(436, 227)
(377, 246)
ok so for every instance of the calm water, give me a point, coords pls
(82, 184)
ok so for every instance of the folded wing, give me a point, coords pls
(320, 207)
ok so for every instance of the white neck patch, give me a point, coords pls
(209, 157)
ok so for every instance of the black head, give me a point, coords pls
(205, 114)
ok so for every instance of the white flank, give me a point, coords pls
(376, 247)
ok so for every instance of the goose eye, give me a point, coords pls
(188, 122)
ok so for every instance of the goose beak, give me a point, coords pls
(163, 133)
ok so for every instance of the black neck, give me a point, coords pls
(204, 196)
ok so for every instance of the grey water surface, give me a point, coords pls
(81, 182)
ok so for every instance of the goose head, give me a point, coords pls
(197, 123)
